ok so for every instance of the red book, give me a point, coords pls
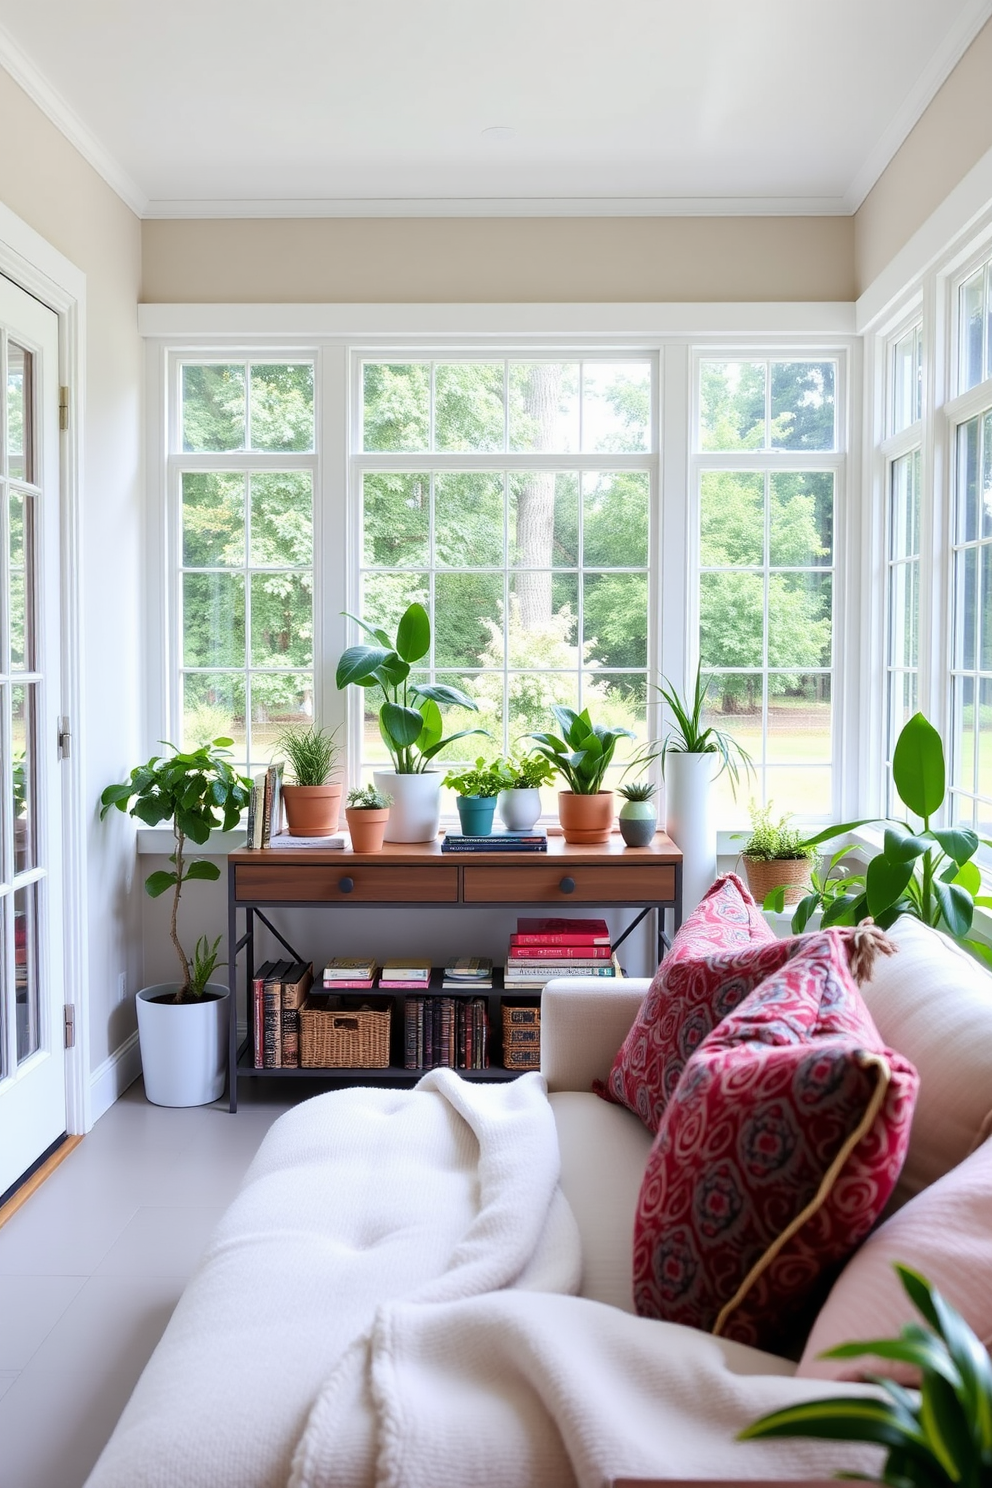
(557, 952)
(559, 931)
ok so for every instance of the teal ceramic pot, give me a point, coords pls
(638, 822)
(476, 814)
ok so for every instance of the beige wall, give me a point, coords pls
(951, 136)
(47, 184)
(498, 260)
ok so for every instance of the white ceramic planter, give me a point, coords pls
(183, 1045)
(415, 814)
(519, 809)
(689, 821)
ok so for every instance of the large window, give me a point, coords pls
(512, 498)
(767, 473)
(903, 467)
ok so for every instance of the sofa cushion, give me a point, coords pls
(945, 1233)
(934, 1002)
(775, 1156)
(723, 950)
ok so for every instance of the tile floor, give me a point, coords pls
(93, 1264)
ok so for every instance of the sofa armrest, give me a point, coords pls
(583, 1025)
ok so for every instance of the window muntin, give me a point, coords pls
(245, 517)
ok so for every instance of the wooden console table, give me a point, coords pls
(644, 879)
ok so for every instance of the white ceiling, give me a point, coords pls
(289, 107)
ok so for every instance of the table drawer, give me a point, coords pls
(549, 883)
(347, 884)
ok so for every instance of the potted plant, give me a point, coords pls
(367, 813)
(638, 817)
(409, 720)
(581, 757)
(777, 856)
(519, 799)
(477, 790)
(936, 1437)
(183, 1025)
(313, 803)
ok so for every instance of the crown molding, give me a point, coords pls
(943, 62)
(14, 61)
(571, 206)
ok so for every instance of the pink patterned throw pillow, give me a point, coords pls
(775, 1155)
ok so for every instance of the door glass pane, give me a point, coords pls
(20, 434)
(23, 805)
(27, 988)
(21, 519)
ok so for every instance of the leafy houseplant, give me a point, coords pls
(638, 818)
(519, 800)
(367, 813)
(312, 801)
(776, 856)
(367, 798)
(476, 790)
(938, 1438)
(690, 735)
(582, 757)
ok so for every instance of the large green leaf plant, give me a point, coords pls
(583, 753)
(196, 790)
(410, 714)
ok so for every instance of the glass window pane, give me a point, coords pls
(282, 406)
(396, 405)
(531, 695)
(732, 405)
(468, 519)
(967, 481)
(22, 512)
(965, 607)
(802, 792)
(26, 971)
(618, 700)
(281, 619)
(544, 611)
(985, 610)
(468, 610)
(282, 518)
(733, 705)
(213, 519)
(487, 692)
(385, 597)
(802, 406)
(985, 745)
(544, 406)
(214, 708)
(278, 700)
(801, 519)
(731, 518)
(213, 406)
(20, 422)
(985, 496)
(396, 519)
(615, 619)
(213, 620)
(904, 603)
(903, 703)
(904, 527)
(907, 380)
(971, 312)
(799, 620)
(731, 619)
(963, 751)
(544, 519)
(798, 719)
(615, 520)
(468, 406)
(616, 406)
(23, 701)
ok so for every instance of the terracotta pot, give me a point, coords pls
(586, 819)
(765, 874)
(312, 810)
(367, 827)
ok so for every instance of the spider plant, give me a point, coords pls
(691, 735)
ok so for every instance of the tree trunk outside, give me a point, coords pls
(536, 503)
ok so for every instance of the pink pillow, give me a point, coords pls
(775, 1155)
(723, 950)
(945, 1233)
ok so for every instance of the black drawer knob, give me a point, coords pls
(346, 885)
(567, 885)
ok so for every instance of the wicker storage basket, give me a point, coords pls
(521, 1036)
(345, 1035)
(763, 875)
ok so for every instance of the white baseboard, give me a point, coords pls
(109, 1080)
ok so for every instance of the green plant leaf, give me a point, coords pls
(393, 672)
(885, 881)
(440, 692)
(413, 635)
(840, 1418)
(828, 832)
(900, 846)
(193, 826)
(202, 868)
(847, 910)
(157, 883)
(403, 725)
(359, 663)
(959, 843)
(956, 906)
(981, 950)
(775, 900)
(375, 631)
(918, 767)
(434, 749)
(433, 724)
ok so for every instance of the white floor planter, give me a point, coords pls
(689, 821)
(415, 814)
(519, 809)
(183, 1046)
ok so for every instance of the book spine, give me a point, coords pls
(460, 1011)
(482, 847)
(420, 1032)
(527, 938)
(391, 986)
(428, 1033)
(257, 988)
(332, 986)
(290, 1037)
(410, 1033)
(267, 808)
(272, 1025)
(589, 954)
(436, 1031)
(250, 820)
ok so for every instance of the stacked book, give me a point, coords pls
(468, 974)
(536, 840)
(544, 948)
(278, 992)
(350, 973)
(264, 807)
(451, 1032)
(411, 972)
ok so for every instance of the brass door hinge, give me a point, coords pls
(64, 740)
(63, 408)
(69, 1017)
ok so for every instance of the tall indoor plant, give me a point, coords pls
(182, 1025)
(582, 757)
(409, 720)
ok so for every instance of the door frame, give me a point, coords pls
(34, 265)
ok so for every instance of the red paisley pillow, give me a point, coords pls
(723, 950)
(775, 1155)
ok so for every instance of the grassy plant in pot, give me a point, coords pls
(367, 813)
(476, 793)
(582, 757)
(312, 801)
(519, 799)
(183, 1025)
(777, 856)
(638, 817)
(409, 720)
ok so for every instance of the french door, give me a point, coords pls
(32, 1041)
